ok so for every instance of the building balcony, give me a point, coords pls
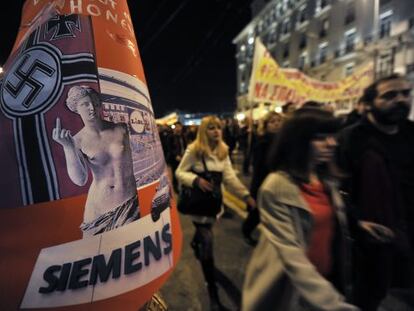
(348, 52)
(302, 24)
(324, 9)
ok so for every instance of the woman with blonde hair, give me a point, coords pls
(209, 153)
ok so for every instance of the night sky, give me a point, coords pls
(186, 48)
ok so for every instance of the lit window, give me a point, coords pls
(302, 60)
(279, 10)
(286, 26)
(285, 5)
(301, 16)
(349, 69)
(272, 36)
(275, 12)
(385, 24)
(324, 28)
(384, 64)
(323, 50)
(350, 36)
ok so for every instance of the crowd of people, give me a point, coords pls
(333, 197)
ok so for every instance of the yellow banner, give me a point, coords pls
(270, 83)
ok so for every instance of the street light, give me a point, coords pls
(278, 109)
(240, 116)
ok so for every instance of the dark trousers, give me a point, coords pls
(378, 268)
(202, 245)
(246, 162)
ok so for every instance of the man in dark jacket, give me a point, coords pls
(379, 158)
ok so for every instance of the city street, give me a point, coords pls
(185, 289)
(102, 100)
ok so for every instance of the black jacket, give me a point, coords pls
(260, 165)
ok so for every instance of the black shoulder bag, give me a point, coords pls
(194, 201)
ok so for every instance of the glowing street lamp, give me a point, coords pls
(240, 116)
(278, 109)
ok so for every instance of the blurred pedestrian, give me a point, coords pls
(303, 222)
(357, 113)
(230, 134)
(164, 132)
(266, 134)
(408, 130)
(313, 104)
(210, 149)
(175, 150)
(245, 143)
(378, 155)
(288, 109)
(191, 133)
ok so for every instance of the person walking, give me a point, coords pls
(294, 266)
(230, 133)
(267, 133)
(209, 152)
(378, 155)
(175, 149)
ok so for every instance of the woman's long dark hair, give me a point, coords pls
(292, 149)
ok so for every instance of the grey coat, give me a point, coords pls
(279, 275)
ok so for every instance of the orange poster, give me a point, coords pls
(87, 217)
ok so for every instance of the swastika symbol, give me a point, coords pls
(26, 79)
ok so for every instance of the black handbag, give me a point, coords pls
(194, 201)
